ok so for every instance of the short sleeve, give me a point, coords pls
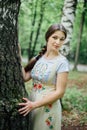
(63, 67)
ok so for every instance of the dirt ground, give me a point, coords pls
(75, 128)
(81, 83)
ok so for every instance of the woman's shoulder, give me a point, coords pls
(62, 58)
(63, 64)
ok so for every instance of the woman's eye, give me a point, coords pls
(55, 37)
(62, 39)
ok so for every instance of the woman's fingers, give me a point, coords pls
(25, 99)
(22, 104)
(26, 107)
(24, 111)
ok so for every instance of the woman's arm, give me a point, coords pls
(26, 75)
(50, 98)
(57, 94)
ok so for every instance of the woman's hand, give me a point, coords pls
(27, 106)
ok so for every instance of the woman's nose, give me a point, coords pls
(58, 41)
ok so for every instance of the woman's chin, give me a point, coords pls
(56, 49)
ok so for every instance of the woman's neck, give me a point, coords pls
(50, 55)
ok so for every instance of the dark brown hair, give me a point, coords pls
(53, 28)
(32, 62)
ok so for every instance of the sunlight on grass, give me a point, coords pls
(76, 74)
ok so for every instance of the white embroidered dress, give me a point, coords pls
(44, 76)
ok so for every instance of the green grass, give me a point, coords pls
(74, 107)
(75, 99)
(76, 75)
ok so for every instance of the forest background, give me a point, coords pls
(36, 16)
(34, 19)
(25, 22)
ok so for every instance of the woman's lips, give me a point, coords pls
(56, 46)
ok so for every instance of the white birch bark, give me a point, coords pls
(67, 20)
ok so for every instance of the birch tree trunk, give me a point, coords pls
(67, 20)
(12, 88)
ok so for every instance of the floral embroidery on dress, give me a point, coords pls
(48, 107)
(38, 87)
(49, 122)
(39, 70)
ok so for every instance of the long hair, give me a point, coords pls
(32, 62)
(53, 28)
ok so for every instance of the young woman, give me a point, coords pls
(49, 76)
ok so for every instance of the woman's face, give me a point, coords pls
(55, 41)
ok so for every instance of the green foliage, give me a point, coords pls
(74, 99)
(74, 107)
(75, 75)
(52, 14)
(83, 47)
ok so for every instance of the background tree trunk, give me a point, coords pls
(32, 31)
(68, 21)
(80, 35)
(12, 87)
(42, 10)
